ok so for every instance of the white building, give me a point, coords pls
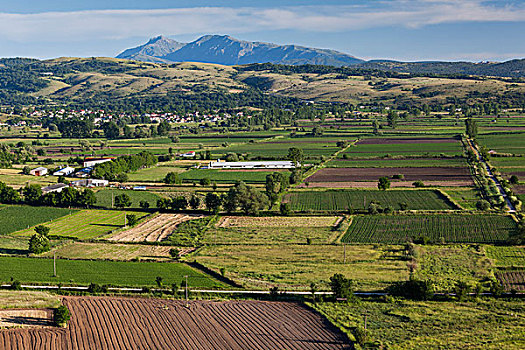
(92, 162)
(40, 171)
(54, 188)
(252, 165)
(90, 183)
(64, 172)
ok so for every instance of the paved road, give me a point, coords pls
(510, 206)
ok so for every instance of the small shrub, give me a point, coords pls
(61, 316)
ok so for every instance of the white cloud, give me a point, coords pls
(119, 24)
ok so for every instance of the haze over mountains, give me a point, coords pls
(223, 49)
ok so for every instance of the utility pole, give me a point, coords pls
(54, 264)
(112, 199)
(186, 290)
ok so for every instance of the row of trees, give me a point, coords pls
(32, 195)
(124, 164)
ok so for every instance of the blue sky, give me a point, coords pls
(410, 30)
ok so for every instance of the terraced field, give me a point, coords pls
(342, 200)
(437, 228)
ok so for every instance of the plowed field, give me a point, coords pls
(154, 229)
(373, 174)
(126, 323)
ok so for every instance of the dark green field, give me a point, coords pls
(35, 270)
(342, 200)
(438, 228)
(15, 218)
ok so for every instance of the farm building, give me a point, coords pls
(84, 172)
(92, 162)
(40, 171)
(90, 183)
(190, 154)
(54, 188)
(64, 171)
(251, 165)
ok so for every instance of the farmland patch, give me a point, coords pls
(154, 229)
(85, 224)
(278, 221)
(342, 200)
(14, 218)
(295, 266)
(84, 250)
(83, 272)
(437, 228)
(140, 323)
(409, 174)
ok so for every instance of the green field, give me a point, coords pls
(438, 228)
(433, 325)
(318, 147)
(447, 264)
(153, 174)
(40, 270)
(464, 197)
(295, 266)
(342, 200)
(14, 218)
(270, 235)
(85, 224)
(504, 142)
(104, 197)
(506, 256)
(508, 162)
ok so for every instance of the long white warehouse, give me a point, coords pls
(251, 165)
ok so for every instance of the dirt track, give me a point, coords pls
(126, 323)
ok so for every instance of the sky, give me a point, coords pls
(407, 30)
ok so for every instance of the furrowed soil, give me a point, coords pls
(153, 230)
(407, 140)
(136, 323)
(373, 174)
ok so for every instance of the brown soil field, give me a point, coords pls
(518, 189)
(373, 174)
(395, 184)
(136, 323)
(26, 318)
(154, 229)
(251, 170)
(397, 141)
(276, 221)
(512, 280)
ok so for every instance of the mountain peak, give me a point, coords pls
(153, 50)
(224, 49)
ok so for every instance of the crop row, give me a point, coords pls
(437, 228)
(15, 218)
(357, 199)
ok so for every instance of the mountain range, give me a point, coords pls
(226, 50)
(223, 49)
